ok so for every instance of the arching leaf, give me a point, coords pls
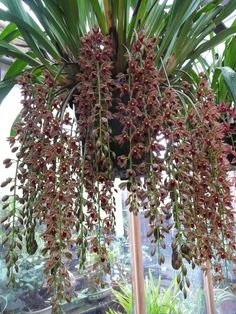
(230, 80)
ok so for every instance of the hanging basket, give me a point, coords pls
(65, 170)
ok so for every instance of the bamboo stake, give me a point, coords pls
(137, 263)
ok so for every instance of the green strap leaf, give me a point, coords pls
(71, 13)
(230, 80)
(155, 19)
(227, 9)
(8, 49)
(15, 69)
(5, 88)
(42, 14)
(100, 15)
(11, 36)
(217, 39)
(8, 29)
(137, 16)
(230, 53)
(9, 33)
(56, 24)
(121, 23)
(30, 32)
(87, 17)
(17, 120)
(178, 15)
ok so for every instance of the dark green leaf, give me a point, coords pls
(71, 13)
(230, 80)
(5, 88)
(217, 39)
(100, 15)
(9, 33)
(30, 33)
(9, 50)
(15, 69)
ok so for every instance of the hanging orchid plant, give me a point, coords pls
(166, 144)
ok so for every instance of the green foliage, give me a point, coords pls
(124, 298)
(219, 65)
(110, 311)
(163, 301)
(222, 72)
(30, 278)
(181, 30)
(230, 80)
(158, 300)
(194, 304)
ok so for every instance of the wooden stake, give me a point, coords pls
(208, 288)
(137, 264)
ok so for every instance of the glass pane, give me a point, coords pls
(161, 281)
(30, 292)
(121, 276)
(225, 292)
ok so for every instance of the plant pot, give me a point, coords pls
(116, 129)
(75, 303)
(47, 310)
(99, 295)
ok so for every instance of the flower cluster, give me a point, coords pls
(47, 155)
(169, 148)
(176, 165)
(202, 202)
(92, 102)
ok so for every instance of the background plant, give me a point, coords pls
(158, 299)
(168, 300)
(29, 284)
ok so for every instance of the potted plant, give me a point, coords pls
(29, 294)
(158, 299)
(31, 282)
(10, 298)
(132, 111)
